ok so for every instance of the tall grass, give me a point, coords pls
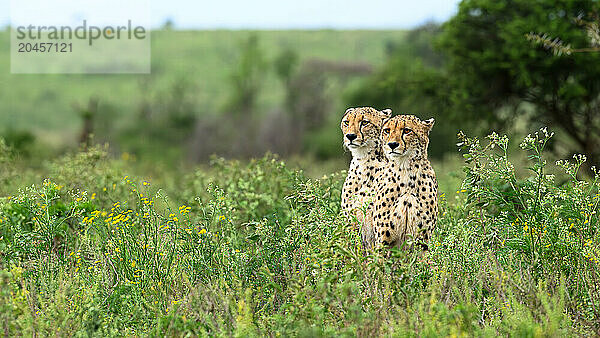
(258, 249)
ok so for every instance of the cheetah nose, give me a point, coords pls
(393, 145)
(351, 137)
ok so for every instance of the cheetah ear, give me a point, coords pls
(387, 112)
(428, 124)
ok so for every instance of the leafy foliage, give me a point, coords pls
(491, 65)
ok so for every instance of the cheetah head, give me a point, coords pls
(361, 128)
(405, 136)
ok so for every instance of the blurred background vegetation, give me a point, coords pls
(240, 94)
(230, 93)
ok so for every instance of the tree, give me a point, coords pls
(285, 65)
(491, 65)
(247, 79)
(88, 115)
(168, 24)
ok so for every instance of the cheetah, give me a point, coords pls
(405, 207)
(361, 128)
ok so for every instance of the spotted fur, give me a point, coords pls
(361, 128)
(405, 207)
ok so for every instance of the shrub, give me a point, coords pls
(536, 227)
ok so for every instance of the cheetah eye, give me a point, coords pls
(364, 122)
(407, 130)
(346, 123)
(386, 130)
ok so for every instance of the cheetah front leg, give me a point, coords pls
(400, 223)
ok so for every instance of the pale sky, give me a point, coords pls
(269, 14)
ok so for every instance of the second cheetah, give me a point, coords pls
(405, 207)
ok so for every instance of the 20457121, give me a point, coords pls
(45, 47)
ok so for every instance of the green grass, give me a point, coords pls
(258, 249)
(203, 60)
